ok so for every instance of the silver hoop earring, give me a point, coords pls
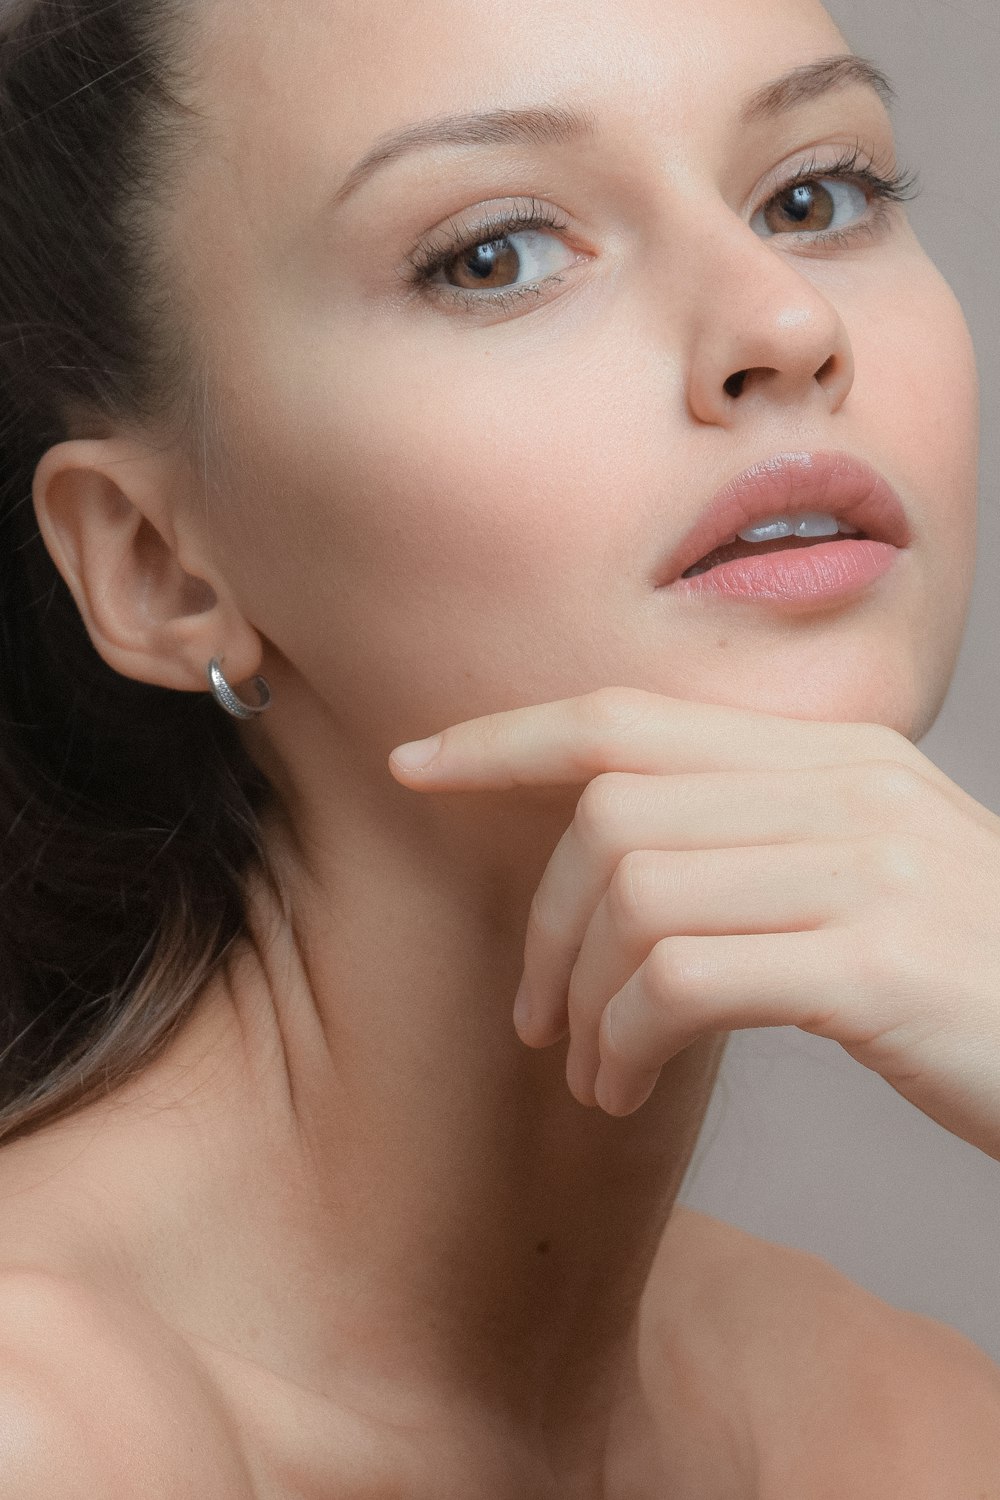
(228, 700)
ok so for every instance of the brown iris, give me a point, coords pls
(799, 205)
(483, 261)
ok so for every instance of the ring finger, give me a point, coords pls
(655, 894)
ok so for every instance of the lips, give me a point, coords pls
(834, 482)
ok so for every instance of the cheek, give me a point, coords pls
(466, 517)
(924, 395)
(918, 391)
(475, 527)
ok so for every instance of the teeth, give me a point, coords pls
(815, 523)
(769, 531)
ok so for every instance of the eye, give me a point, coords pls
(510, 255)
(812, 207)
(504, 258)
(493, 265)
(810, 203)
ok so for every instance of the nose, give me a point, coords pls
(768, 337)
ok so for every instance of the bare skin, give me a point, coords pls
(393, 1243)
(763, 1373)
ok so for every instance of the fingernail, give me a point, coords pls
(417, 754)
(619, 1098)
(522, 1007)
(607, 1095)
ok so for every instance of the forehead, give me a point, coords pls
(297, 90)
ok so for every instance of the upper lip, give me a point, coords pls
(838, 483)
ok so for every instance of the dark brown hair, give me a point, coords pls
(129, 813)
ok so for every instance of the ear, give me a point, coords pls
(153, 607)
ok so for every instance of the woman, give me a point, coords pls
(418, 425)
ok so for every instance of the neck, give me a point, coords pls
(424, 1190)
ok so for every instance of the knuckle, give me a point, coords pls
(629, 890)
(893, 786)
(897, 859)
(599, 808)
(669, 973)
(612, 709)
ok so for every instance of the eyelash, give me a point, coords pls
(897, 186)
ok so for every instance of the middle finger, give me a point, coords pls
(656, 894)
(621, 811)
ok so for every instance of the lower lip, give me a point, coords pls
(800, 575)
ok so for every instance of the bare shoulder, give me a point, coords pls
(96, 1399)
(839, 1391)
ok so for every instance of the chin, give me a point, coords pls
(829, 698)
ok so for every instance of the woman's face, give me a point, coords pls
(439, 504)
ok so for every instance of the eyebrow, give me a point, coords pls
(557, 124)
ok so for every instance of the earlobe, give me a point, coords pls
(112, 540)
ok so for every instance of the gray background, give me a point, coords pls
(802, 1145)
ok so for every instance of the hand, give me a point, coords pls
(727, 869)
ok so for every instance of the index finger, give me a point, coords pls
(572, 740)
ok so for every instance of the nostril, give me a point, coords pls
(734, 385)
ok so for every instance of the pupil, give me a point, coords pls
(801, 198)
(482, 260)
(800, 206)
